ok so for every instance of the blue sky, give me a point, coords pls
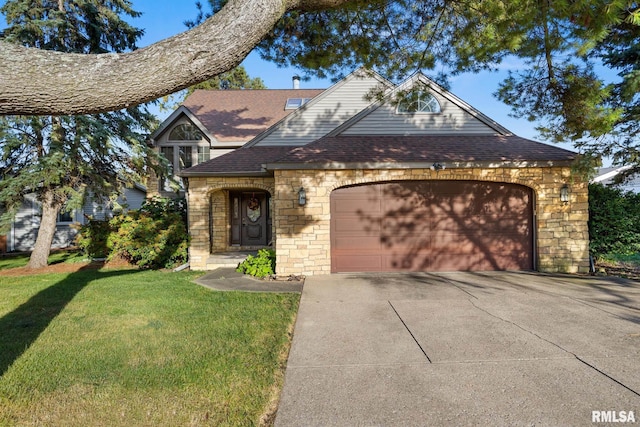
(164, 18)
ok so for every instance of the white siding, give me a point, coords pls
(134, 198)
(24, 229)
(335, 106)
(385, 121)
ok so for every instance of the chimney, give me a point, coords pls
(296, 82)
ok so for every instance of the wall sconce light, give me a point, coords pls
(302, 197)
(564, 194)
(437, 167)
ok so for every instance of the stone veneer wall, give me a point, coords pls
(303, 232)
(211, 193)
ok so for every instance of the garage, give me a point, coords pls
(432, 226)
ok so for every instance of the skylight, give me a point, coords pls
(295, 103)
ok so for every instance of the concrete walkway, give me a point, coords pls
(228, 279)
(488, 349)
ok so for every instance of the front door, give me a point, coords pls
(249, 219)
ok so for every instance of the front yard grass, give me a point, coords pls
(62, 256)
(125, 348)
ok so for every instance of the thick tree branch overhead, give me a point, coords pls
(39, 82)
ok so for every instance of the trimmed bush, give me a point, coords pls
(153, 237)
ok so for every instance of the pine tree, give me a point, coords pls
(63, 159)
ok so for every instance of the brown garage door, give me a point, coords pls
(432, 226)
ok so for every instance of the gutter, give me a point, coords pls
(415, 165)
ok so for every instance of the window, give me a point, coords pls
(185, 157)
(185, 132)
(65, 217)
(419, 101)
(295, 103)
(204, 154)
(181, 157)
(184, 147)
(167, 152)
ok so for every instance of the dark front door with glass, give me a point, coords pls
(249, 219)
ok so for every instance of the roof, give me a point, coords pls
(424, 148)
(239, 115)
(344, 99)
(615, 176)
(386, 151)
(243, 161)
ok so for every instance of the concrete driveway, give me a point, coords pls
(488, 349)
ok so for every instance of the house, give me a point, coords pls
(211, 123)
(345, 183)
(606, 176)
(24, 228)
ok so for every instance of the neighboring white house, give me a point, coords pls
(24, 229)
(606, 176)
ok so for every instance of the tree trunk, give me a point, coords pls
(40, 82)
(50, 209)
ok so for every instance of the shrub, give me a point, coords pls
(92, 238)
(614, 221)
(149, 242)
(153, 237)
(158, 207)
(261, 265)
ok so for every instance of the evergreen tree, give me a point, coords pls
(234, 79)
(63, 159)
(559, 46)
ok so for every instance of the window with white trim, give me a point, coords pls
(419, 101)
(183, 147)
(185, 132)
(65, 217)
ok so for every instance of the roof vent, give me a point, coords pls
(296, 82)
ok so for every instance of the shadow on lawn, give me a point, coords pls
(21, 327)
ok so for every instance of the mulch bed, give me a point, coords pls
(620, 270)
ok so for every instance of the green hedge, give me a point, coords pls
(614, 221)
(153, 237)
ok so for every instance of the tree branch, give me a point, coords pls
(38, 82)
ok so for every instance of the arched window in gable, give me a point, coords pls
(419, 101)
(185, 132)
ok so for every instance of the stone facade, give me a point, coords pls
(208, 205)
(302, 233)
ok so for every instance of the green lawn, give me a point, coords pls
(129, 348)
(20, 260)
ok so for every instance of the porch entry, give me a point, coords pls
(250, 219)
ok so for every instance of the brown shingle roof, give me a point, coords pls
(424, 148)
(239, 115)
(247, 161)
(384, 149)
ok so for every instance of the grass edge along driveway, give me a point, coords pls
(128, 347)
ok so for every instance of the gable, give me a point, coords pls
(324, 113)
(181, 116)
(453, 116)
